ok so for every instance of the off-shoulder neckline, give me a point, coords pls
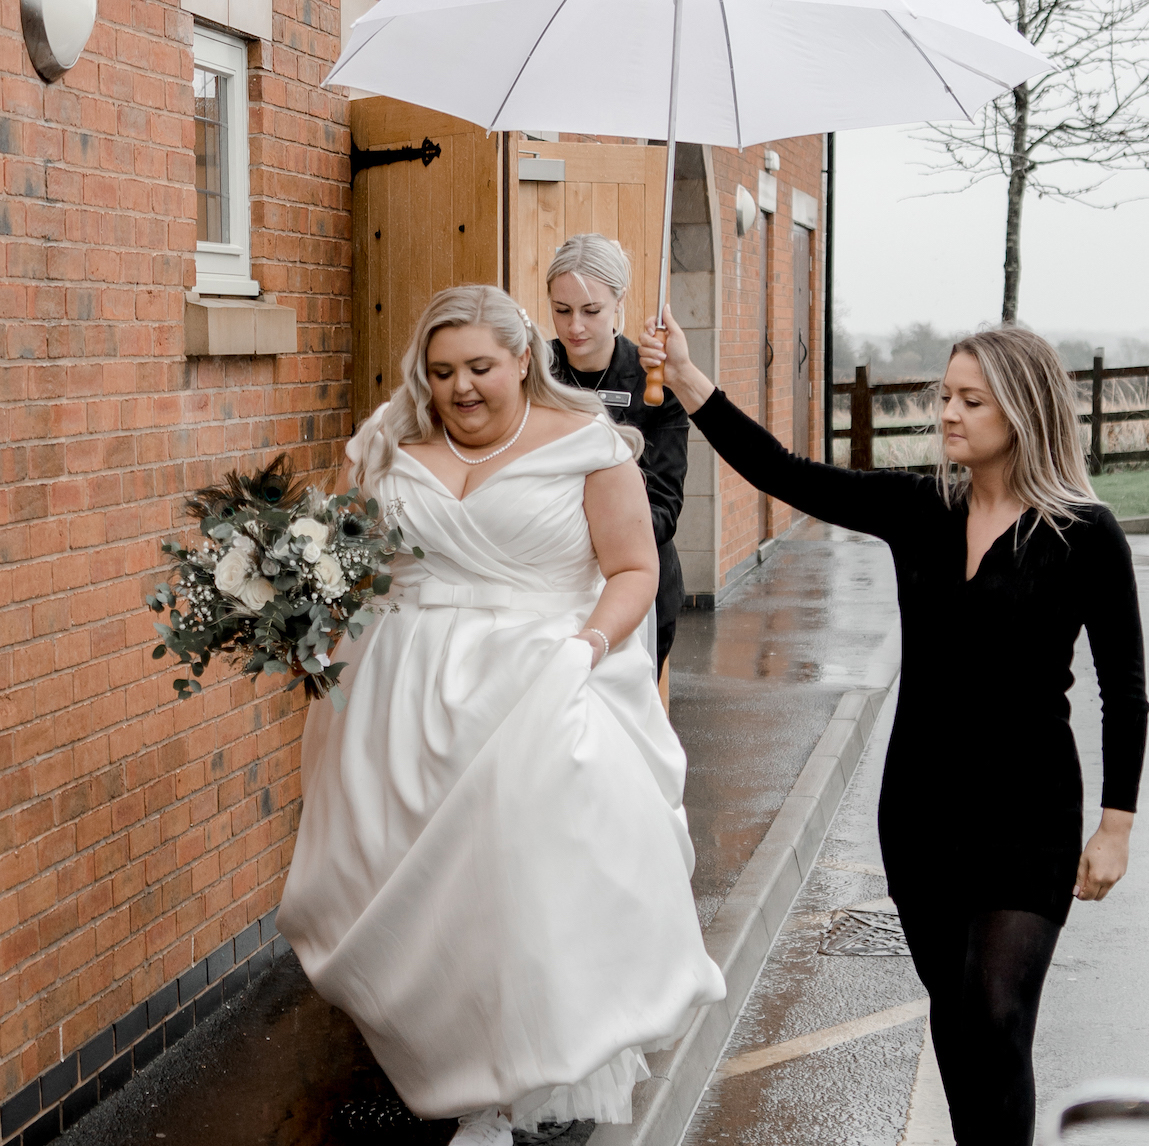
(503, 468)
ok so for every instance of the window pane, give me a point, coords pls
(211, 146)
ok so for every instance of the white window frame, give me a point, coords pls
(225, 268)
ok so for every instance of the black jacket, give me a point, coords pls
(663, 463)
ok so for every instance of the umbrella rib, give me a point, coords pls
(534, 46)
(933, 67)
(984, 75)
(733, 82)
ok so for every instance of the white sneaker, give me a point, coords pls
(484, 1128)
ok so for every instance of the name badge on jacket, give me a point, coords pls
(615, 397)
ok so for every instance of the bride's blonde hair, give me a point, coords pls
(410, 416)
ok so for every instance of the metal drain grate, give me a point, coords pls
(384, 1118)
(547, 1132)
(864, 933)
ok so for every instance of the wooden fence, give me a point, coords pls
(861, 431)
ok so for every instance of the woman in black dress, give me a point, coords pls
(1000, 561)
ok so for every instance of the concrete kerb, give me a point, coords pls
(745, 926)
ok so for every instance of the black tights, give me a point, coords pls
(984, 975)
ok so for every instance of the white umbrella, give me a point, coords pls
(725, 72)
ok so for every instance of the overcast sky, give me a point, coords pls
(901, 259)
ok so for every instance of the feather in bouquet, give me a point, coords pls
(284, 571)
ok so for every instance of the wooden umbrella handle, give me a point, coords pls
(654, 378)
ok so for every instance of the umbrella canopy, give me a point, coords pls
(750, 70)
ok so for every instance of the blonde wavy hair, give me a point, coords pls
(410, 416)
(597, 257)
(1046, 469)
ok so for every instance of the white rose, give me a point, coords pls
(329, 574)
(311, 552)
(256, 592)
(312, 529)
(243, 544)
(232, 571)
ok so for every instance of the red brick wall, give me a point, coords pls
(137, 832)
(741, 299)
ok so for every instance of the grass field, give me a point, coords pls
(1127, 493)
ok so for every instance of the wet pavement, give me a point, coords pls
(753, 685)
(848, 1065)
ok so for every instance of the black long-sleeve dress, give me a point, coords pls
(981, 798)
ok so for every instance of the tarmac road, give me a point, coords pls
(829, 1049)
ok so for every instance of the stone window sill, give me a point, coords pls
(245, 326)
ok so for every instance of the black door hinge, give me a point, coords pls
(428, 152)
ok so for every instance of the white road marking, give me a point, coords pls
(928, 1122)
(834, 1036)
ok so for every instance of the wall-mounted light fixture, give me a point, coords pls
(56, 32)
(771, 161)
(745, 211)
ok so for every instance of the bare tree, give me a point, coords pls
(1064, 134)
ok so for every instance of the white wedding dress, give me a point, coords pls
(492, 871)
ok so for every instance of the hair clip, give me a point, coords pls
(525, 317)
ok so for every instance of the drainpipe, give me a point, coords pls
(828, 290)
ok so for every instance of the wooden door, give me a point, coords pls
(801, 370)
(416, 229)
(615, 189)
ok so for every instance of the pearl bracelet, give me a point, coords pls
(605, 640)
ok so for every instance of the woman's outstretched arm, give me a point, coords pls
(1113, 622)
(618, 514)
(875, 502)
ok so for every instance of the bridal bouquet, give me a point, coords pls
(283, 572)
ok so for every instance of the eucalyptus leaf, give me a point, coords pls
(338, 700)
(312, 665)
(418, 552)
(271, 667)
(159, 652)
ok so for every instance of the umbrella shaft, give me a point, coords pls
(671, 140)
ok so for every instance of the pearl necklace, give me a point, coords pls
(501, 449)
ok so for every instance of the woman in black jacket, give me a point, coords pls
(587, 283)
(1001, 558)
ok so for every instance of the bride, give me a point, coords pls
(492, 871)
